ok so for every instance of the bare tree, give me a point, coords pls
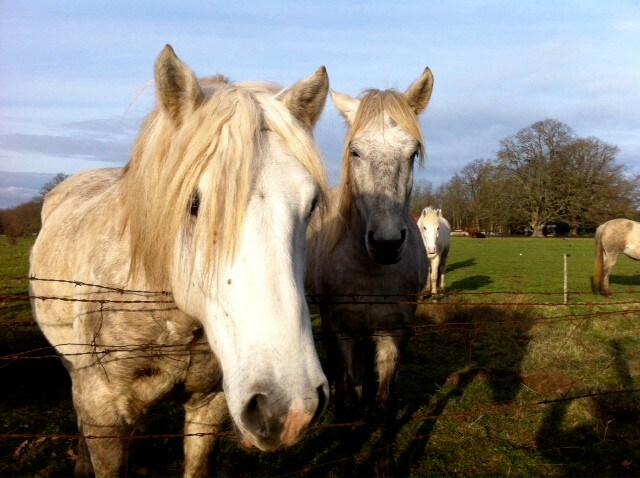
(422, 196)
(49, 185)
(594, 185)
(532, 158)
(454, 203)
(482, 190)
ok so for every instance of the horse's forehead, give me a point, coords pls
(277, 169)
(384, 133)
(431, 219)
(284, 171)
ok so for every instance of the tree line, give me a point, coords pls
(24, 219)
(543, 178)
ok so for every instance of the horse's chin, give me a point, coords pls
(249, 443)
(253, 443)
(384, 258)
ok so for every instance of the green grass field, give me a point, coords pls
(501, 379)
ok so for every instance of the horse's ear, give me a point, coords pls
(424, 212)
(347, 106)
(419, 93)
(306, 98)
(177, 87)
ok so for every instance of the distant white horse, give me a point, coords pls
(613, 238)
(213, 208)
(436, 234)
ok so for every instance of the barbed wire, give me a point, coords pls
(323, 301)
(418, 330)
(74, 299)
(594, 311)
(120, 290)
(319, 297)
(495, 408)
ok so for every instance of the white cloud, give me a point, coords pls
(12, 196)
(17, 188)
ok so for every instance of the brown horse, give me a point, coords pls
(614, 237)
(212, 208)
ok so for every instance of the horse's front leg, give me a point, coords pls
(109, 450)
(205, 414)
(388, 352)
(435, 272)
(441, 271)
(83, 466)
(346, 398)
(105, 450)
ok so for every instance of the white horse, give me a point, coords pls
(436, 234)
(614, 237)
(213, 208)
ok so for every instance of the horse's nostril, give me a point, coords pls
(322, 404)
(256, 415)
(386, 243)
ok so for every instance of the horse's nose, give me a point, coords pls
(387, 249)
(273, 424)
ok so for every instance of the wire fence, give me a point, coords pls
(555, 313)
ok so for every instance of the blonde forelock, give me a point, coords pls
(222, 139)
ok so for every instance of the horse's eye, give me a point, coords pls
(414, 156)
(354, 154)
(195, 204)
(314, 205)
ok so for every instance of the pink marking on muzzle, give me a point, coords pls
(294, 423)
(246, 441)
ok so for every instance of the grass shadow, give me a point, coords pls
(606, 445)
(36, 398)
(625, 280)
(455, 345)
(461, 265)
(469, 283)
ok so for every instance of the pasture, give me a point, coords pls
(500, 379)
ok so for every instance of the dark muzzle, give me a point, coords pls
(386, 249)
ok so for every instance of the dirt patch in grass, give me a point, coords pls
(550, 382)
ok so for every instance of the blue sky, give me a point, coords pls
(75, 77)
